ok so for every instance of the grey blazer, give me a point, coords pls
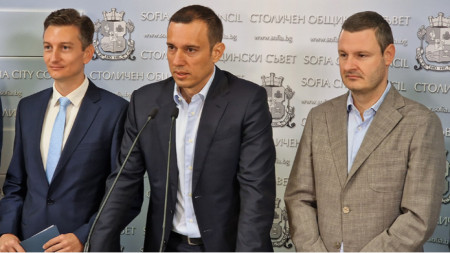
(389, 201)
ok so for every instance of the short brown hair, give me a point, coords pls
(370, 20)
(67, 17)
(191, 13)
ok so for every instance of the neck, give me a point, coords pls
(66, 87)
(187, 95)
(364, 101)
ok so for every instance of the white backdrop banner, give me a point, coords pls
(288, 45)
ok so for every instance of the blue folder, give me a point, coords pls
(35, 243)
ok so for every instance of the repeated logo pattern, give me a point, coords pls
(277, 95)
(112, 45)
(437, 36)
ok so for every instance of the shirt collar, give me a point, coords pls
(375, 107)
(177, 97)
(75, 96)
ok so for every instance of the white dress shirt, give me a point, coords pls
(75, 97)
(184, 220)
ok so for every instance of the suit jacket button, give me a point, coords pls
(50, 202)
(346, 209)
(337, 245)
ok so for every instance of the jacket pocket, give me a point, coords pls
(387, 170)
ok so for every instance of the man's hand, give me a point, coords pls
(64, 243)
(10, 243)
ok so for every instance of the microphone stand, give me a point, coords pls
(102, 206)
(174, 115)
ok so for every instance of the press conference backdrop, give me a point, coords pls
(289, 46)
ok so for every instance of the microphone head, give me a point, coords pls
(153, 113)
(174, 114)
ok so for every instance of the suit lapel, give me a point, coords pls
(86, 115)
(166, 105)
(337, 131)
(386, 118)
(213, 109)
(41, 106)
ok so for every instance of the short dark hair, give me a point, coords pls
(191, 13)
(370, 20)
(67, 17)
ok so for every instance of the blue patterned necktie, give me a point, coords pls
(56, 140)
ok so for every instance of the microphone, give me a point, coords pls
(173, 116)
(151, 115)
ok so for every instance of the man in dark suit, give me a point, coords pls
(61, 185)
(221, 190)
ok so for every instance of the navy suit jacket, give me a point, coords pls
(72, 198)
(1, 132)
(233, 186)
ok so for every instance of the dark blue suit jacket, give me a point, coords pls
(1, 130)
(233, 184)
(70, 201)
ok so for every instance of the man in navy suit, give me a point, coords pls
(221, 191)
(70, 196)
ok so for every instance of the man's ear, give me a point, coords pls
(217, 51)
(88, 53)
(389, 54)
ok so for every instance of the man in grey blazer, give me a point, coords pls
(368, 171)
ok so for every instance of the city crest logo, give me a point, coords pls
(279, 233)
(112, 45)
(436, 54)
(277, 95)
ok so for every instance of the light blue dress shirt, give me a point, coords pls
(184, 220)
(357, 128)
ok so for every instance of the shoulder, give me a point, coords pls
(155, 90)
(337, 103)
(113, 97)
(108, 97)
(235, 89)
(417, 112)
(237, 83)
(414, 107)
(36, 98)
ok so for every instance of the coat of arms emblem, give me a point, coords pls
(113, 45)
(437, 36)
(277, 95)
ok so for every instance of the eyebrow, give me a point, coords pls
(171, 44)
(357, 52)
(63, 43)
